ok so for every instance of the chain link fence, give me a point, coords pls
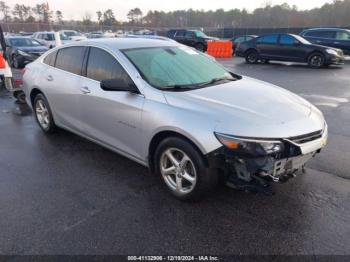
(212, 31)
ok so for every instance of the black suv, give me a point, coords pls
(288, 47)
(193, 38)
(333, 37)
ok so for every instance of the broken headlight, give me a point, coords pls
(250, 146)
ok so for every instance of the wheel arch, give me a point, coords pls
(160, 136)
(33, 93)
(251, 49)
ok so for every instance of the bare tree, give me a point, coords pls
(59, 17)
(5, 10)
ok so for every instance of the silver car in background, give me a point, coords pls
(176, 111)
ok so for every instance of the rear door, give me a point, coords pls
(112, 117)
(267, 46)
(62, 80)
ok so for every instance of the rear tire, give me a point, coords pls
(316, 60)
(183, 170)
(252, 57)
(43, 114)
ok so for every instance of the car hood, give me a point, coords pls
(33, 49)
(250, 107)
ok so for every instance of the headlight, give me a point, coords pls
(331, 52)
(255, 147)
(22, 53)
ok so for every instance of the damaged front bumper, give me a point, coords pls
(241, 170)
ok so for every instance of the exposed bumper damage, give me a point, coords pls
(257, 173)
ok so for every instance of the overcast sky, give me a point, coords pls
(75, 9)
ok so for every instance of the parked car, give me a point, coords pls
(333, 37)
(48, 38)
(23, 50)
(193, 38)
(73, 35)
(176, 111)
(288, 47)
(237, 40)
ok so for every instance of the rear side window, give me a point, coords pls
(269, 39)
(70, 59)
(103, 66)
(180, 33)
(50, 59)
(321, 34)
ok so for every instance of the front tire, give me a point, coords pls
(316, 60)
(183, 169)
(43, 114)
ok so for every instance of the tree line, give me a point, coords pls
(336, 13)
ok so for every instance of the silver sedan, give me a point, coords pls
(176, 111)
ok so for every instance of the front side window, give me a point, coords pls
(287, 40)
(70, 59)
(189, 34)
(21, 42)
(176, 67)
(50, 37)
(268, 39)
(103, 66)
(240, 39)
(200, 34)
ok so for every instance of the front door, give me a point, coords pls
(112, 117)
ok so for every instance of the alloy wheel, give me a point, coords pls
(178, 171)
(316, 61)
(42, 114)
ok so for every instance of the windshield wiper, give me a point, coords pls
(216, 80)
(180, 87)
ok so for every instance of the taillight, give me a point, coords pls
(18, 82)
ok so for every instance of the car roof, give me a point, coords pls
(116, 44)
(326, 29)
(17, 37)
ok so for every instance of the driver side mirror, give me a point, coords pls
(119, 85)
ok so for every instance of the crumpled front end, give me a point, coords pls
(258, 171)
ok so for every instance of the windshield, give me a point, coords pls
(200, 34)
(24, 42)
(301, 40)
(177, 67)
(64, 36)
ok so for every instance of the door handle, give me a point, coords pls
(49, 78)
(85, 90)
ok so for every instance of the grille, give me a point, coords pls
(306, 138)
